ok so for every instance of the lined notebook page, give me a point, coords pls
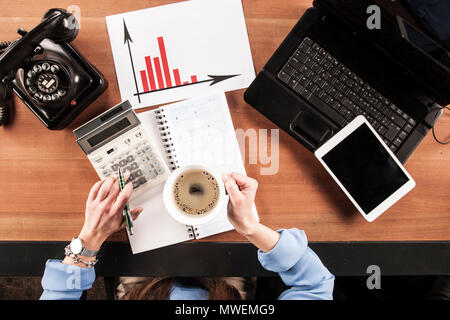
(203, 133)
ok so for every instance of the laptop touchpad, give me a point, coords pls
(310, 127)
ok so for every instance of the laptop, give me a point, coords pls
(332, 68)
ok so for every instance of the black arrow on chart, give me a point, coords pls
(127, 40)
(212, 78)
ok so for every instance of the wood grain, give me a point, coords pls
(46, 177)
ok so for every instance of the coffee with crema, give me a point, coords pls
(196, 192)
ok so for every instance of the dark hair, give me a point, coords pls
(159, 289)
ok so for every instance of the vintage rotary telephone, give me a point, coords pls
(47, 73)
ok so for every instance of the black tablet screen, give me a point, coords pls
(365, 168)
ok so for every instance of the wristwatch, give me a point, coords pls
(77, 248)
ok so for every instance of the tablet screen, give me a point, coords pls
(364, 167)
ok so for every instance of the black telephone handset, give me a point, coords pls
(49, 74)
(5, 94)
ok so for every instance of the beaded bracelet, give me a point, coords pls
(77, 260)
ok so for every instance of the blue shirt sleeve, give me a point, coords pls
(298, 267)
(65, 282)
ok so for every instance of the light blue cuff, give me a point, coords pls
(287, 252)
(64, 277)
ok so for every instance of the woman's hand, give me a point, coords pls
(242, 191)
(104, 211)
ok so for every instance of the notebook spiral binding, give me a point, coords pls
(171, 155)
(192, 232)
(166, 139)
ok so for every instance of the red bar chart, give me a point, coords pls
(158, 75)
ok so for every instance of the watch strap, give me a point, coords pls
(88, 253)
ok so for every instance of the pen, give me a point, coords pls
(126, 210)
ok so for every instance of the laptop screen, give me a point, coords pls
(425, 44)
(421, 55)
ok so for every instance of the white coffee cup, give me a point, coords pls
(178, 214)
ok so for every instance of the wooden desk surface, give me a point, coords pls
(46, 177)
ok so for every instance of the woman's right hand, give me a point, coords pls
(242, 191)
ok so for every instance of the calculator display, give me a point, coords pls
(108, 132)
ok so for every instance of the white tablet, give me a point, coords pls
(365, 168)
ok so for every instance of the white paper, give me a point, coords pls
(201, 37)
(155, 228)
(203, 133)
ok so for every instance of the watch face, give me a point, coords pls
(76, 246)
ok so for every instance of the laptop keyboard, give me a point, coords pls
(340, 94)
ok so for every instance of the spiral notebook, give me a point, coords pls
(195, 131)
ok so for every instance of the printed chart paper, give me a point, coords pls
(180, 51)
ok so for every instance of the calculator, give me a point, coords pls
(116, 139)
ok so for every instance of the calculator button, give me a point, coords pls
(132, 177)
(142, 180)
(127, 141)
(115, 167)
(147, 148)
(127, 169)
(151, 156)
(106, 172)
(160, 170)
(138, 173)
(98, 159)
(151, 173)
(144, 160)
(135, 184)
(112, 150)
(155, 163)
(130, 158)
(140, 152)
(122, 162)
(134, 166)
